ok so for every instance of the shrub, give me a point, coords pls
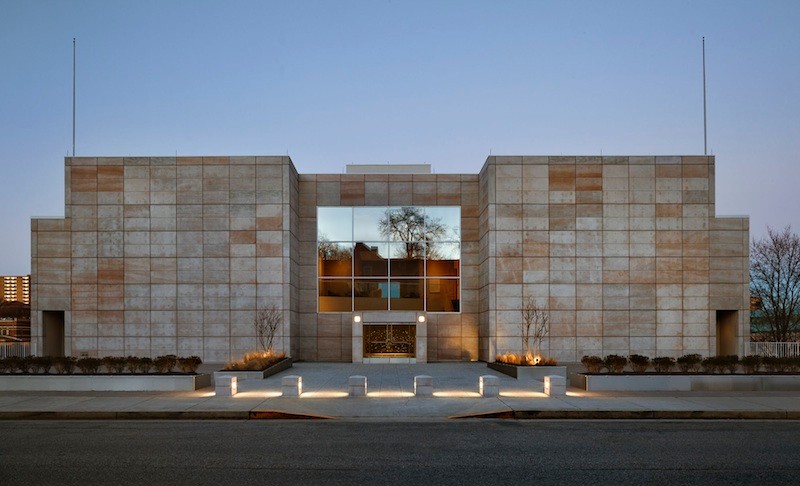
(13, 363)
(751, 363)
(545, 361)
(25, 364)
(771, 363)
(138, 365)
(509, 358)
(190, 364)
(639, 363)
(145, 364)
(255, 361)
(165, 364)
(64, 364)
(689, 362)
(794, 363)
(41, 364)
(729, 363)
(89, 366)
(114, 364)
(9, 364)
(663, 364)
(786, 363)
(132, 364)
(776, 364)
(593, 364)
(615, 363)
(516, 359)
(710, 364)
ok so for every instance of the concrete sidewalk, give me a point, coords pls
(390, 397)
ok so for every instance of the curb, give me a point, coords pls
(637, 415)
(503, 414)
(159, 415)
(275, 415)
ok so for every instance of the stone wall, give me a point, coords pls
(624, 251)
(167, 255)
(164, 255)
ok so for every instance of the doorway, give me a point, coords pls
(727, 332)
(390, 340)
(53, 333)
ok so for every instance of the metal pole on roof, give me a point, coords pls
(73, 97)
(705, 124)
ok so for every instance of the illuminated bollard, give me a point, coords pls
(489, 386)
(423, 386)
(555, 385)
(225, 386)
(292, 386)
(357, 386)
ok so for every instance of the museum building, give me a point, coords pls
(389, 263)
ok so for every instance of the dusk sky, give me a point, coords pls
(445, 83)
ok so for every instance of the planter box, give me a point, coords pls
(104, 382)
(528, 372)
(689, 382)
(281, 365)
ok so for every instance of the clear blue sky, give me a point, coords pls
(445, 83)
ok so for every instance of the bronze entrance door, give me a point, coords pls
(390, 340)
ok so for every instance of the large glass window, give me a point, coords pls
(407, 259)
(335, 259)
(389, 258)
(444, 260)
(371, 259)
(444, 223)
(334, 224)
(335, 295)
(407, 294)
(366, 223)
(371, 294)
(442, 294)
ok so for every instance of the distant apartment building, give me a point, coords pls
(393, 264)
(17, 288)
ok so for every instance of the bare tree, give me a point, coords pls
(413, 228)
(328, 250)
(775, 280)
(265, 324)
(535, 324)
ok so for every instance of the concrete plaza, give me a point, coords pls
(390, 397)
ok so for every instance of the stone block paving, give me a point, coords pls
(390, 396)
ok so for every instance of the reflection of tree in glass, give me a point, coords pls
(410, 226)
(329, 250)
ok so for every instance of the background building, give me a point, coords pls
(14, 329)
(17, 288)
(164, 255)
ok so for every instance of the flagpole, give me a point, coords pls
(705, 125)
(73, 97)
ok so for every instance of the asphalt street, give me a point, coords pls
(401, 452)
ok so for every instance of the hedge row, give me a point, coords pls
(67, 365)
(692, 363)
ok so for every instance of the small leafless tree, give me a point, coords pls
(265, 324)
(535, 324)
(775, 280)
